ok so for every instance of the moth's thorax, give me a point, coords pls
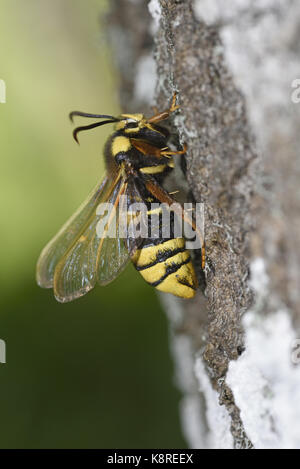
(120, 144)
(123, 151)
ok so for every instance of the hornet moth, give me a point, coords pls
(137, 160)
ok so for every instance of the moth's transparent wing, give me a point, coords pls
(75, 273)
(68, 234)
(120, 242)
(178, 210)
(137, 216)
(112, 256)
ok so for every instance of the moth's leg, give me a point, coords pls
(168, 153)
(147, 148)
(164, 114)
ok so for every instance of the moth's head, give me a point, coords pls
(135, 123)
(131, 123)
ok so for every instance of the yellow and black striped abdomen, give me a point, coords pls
(167, 266)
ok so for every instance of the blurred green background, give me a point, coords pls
(96, 372)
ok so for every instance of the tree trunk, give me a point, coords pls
(232, 67)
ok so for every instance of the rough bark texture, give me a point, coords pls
(227, 71)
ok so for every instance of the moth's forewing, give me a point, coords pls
(112, 255)
(137, 216)
(76, 272)
(115, 251)
(68, 234)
